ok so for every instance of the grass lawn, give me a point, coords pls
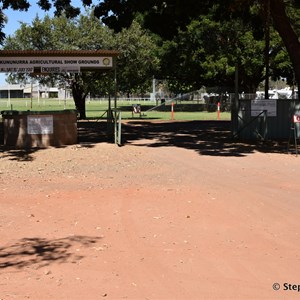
(96, 109)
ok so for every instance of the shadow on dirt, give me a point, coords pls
(89, 134)
(92, 132)
(206, 137)
(42, 252)
(18, 155)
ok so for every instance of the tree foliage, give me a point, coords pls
(169, 18)
(136, 64)
(200, 43)
(207, 52)
(138, 60)
(59, 33)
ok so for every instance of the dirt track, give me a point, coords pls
(186, 214)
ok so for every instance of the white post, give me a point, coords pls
(65, 104)
(38, 90)
(8, 96)
(31, 91)
(153, 89)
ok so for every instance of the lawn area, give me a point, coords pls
(97, 109)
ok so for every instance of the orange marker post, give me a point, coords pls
(218, 110)
(172, 111)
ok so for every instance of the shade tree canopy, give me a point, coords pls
(61, 33)
(86, 32)
(168, 17)
(207, 51)
(200, 41)
(59, 6)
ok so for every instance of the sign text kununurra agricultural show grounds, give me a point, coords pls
(53, 64)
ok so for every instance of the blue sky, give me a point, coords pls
(15, 17)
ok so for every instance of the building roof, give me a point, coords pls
(27, 88)
(41, 53)
(11, 87)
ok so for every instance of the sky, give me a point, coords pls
(15, 17)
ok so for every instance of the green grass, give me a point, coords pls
(95, 109)
(179, 115)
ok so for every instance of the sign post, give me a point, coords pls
(296, 119)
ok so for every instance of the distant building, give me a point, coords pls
(34, 91)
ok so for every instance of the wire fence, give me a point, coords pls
(189, 104)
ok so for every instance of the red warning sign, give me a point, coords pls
(296, 118)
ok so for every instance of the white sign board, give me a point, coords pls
(39, 124)
(53, 64)
(258, 106)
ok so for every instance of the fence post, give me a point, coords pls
(120, 128)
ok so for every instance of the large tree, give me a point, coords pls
(167, 17)
(138, 59)
(59, 33)
(136, 62)
(284, 24)
(207, 51)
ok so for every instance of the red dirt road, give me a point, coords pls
(138, 222)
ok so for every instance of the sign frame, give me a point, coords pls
(56, 64)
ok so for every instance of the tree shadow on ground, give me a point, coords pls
(205, 137)
(42, 252)
(92, 132)
(18, 155)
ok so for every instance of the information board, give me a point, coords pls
(260, 105)
(40, 124)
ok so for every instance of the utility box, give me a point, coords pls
(29, 129)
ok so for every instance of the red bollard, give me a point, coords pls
(172, 111)
(218, 110)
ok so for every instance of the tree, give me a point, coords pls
(166, 17)
(60, 7)
(135, 67)
(163, 17)
(59, 33)
(138, 60)
(289, 35)
(207, 51)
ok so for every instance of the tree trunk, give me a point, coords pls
(287, 33)
(79, 99)
(267, 47)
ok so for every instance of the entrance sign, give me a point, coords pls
(268, 105)
(39, 124)
(56, 61)
(53, 64)
(44, 62)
